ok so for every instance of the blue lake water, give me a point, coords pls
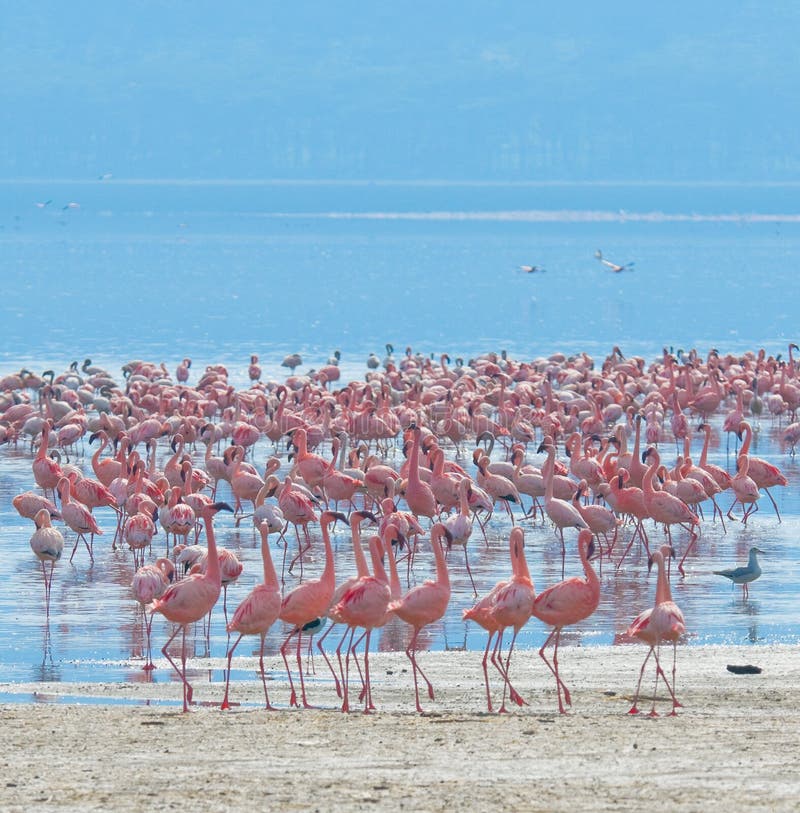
(215, 272)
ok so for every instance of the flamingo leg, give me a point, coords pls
(187, 689)
(225, 704)
(148, 627)
(553, 667)
(692, 540)
(411, 655)
(513, 695)
(269, 705)
(346, 675)
(469, 572)
(486, 672)
(366, 691)
(306, 704)
(293, 694)
(327, 660)
(634, 709)
(774, 504)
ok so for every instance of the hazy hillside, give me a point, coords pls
(454, 90)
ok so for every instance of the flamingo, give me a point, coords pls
(662, 622)
(600, 520)
(254, 370)
(459, 526)
(565, 603)
(149, 583)
(312, 467)
(182, 371)
(256, 614)
(107, 469)
(46, 471)
(192, 598)
(47, 543)
(298, 509)
(561, 513)
(764, 474)
(629, 500)
(307, 602)
(140, 529)
(362, 572)
(419, 495)
(664, 507)
(424, 604)
(29, 503)
(507, 604)
(744, 488)
(78, 517)
(365, 605)
(497, 486)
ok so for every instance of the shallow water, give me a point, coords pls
(96, 632)
(217, 272)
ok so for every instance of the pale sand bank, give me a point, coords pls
(734, 746)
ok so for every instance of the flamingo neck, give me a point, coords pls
(663, 592)
(442, 574)
(212, 565)
(270, 576)
(358, 552)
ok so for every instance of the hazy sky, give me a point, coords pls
(452, 90)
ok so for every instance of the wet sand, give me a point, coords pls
(733, 744)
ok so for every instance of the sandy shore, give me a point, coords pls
(734, 744)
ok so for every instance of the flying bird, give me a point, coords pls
(613, 266)
(532, 269)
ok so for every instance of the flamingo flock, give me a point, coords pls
(427, 457)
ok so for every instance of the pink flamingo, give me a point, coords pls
(721, 477)
(192, 598)
(149, 583)
(497, 486)
(244, 484)
(29, 503)
(562, 514)
(565, 603)
(460, 526)
(78, 517)
(182, 371)
(140, 529)
(307, 602)
(47, 543)
(312, 467)
(662, 622)
(365, 605)
(298, 509)
(601, 520)
(744, 488)
(337, 484)
(109, 467)
(257, 613)
(666, 508)
(46, 471)
(629, 500)
(424, 604)
(419, 495)
(254, 370)
(764, 474)
(362, 572)
(510, 606)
